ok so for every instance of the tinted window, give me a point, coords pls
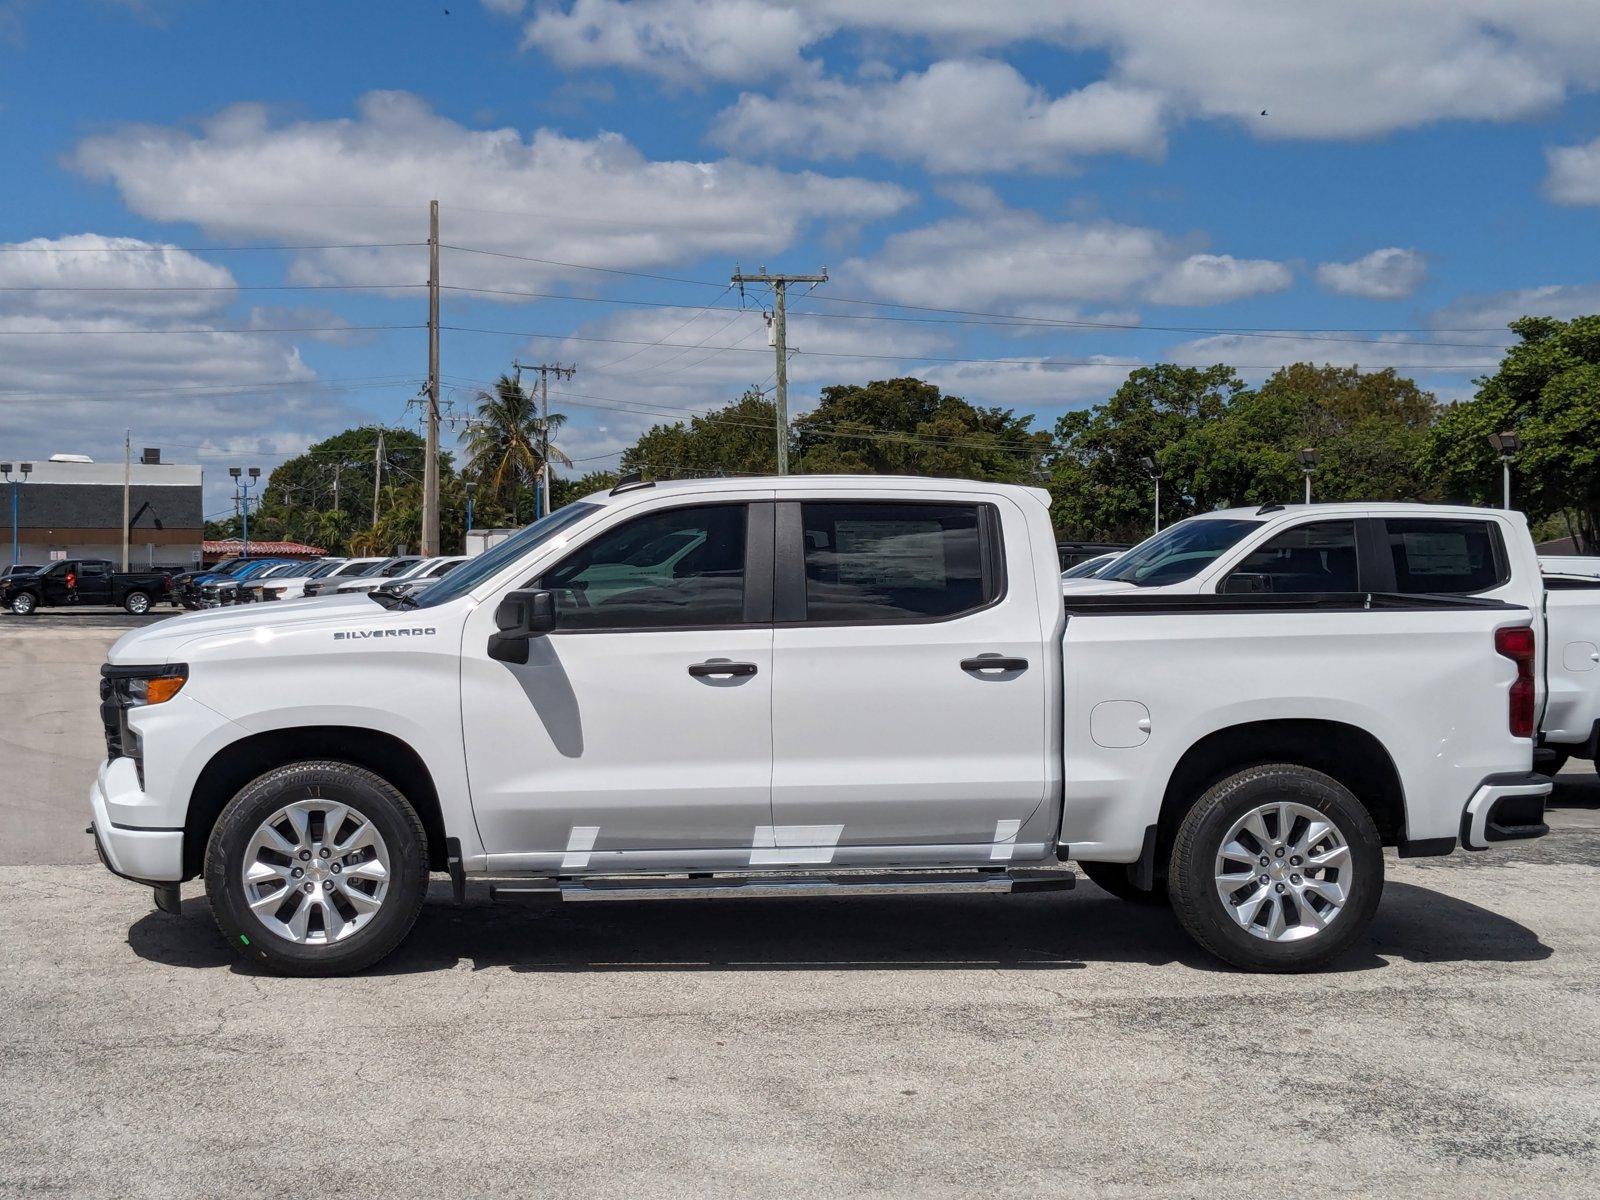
(1178, 552)
(679, 567)
(497, 558)
(887, 562)
(1444, 556)
(1320, 557)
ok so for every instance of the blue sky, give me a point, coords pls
(1100, 171)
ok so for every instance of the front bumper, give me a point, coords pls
(141, 854)
(1505, 808)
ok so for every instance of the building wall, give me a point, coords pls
(75, 510)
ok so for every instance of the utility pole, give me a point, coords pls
(127, 471)
(545, 371)
(780, 287)
(377, 476)
(430, 468)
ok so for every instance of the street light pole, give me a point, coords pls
(242, 488)
(1154, 472)
(471, 488)
(1308, 463)
(1506, 445)
(16, 491)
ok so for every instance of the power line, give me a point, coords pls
(200, 249)
(550, 262)
(156, 331)
(1052, 364)
(222, 287)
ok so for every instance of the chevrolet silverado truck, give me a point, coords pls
(78, 581)
(1411, 549)
(810, 685)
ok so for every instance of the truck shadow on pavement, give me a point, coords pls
(1031, 933)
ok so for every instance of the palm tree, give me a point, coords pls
(505, 447)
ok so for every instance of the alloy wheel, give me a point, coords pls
(1283, 871)
(316, 871)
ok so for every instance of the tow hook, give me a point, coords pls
(167, 898)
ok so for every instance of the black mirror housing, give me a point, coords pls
(522, 615)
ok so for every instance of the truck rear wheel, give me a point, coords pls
(138, 603)
(1277, 868)
(1116, 878)
(317, 868)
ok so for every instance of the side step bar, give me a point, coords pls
(905, 883)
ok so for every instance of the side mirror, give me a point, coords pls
(520, 616)
(1250, 584)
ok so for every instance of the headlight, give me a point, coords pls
(123, 688)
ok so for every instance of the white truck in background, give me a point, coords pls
(714, 689)
(1409, 549)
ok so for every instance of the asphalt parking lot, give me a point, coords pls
(1051, 1044)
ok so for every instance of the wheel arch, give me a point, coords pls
(1347, 753)
(237, 763)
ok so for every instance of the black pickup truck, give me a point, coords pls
(77, 581)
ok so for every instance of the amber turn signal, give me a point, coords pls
(162, 689)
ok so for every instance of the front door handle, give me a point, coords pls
(721, 666)
(994, 662)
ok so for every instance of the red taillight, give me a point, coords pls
(1517, 645)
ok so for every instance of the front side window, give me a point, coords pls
(674, 568)
(1179, 551)
(1452, 557)
(894, 561)
(1319, 557)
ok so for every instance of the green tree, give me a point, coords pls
(565, 491)
(324, 496)
(909, 427)
(1547, 390)
(736, 440)
(1099, 481)
(505, 448)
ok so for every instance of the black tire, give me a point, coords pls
(24, 604)
(379, 802)
(1116, 878)
(137, 603)
(1192, 882)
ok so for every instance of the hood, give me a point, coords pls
(164, 641)
(1096, 587)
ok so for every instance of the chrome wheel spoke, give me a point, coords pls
(1289, 896)
(321, 905)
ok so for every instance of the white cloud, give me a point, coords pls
(505, 8)
(957, 116)
(1219, 278)
(1491, 312)
(596, 201)
(1352, 69)
(686, 43)
(67, 270)
(1013, 260)
(1042, 383)
(1389, 274)
(1573, 175)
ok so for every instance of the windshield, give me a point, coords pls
(1088, 568)
(474, 571)
(1178, 552)
(327, 568)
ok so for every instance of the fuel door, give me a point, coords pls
(1119, 724)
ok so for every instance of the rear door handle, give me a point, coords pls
(994, 662)
(721, 666)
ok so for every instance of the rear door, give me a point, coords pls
(94, 583)
(909, 698)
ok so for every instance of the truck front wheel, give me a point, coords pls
(23, 603)
(317, 868)
(1276, 868)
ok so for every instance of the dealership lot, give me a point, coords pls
(1020, 1045)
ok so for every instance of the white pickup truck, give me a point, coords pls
(802, 686)
(1412, 549)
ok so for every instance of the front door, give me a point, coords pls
(888, 727)
(641, 726)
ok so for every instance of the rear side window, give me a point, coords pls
(1433, 555)
(1319, 557)
(894, 562)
